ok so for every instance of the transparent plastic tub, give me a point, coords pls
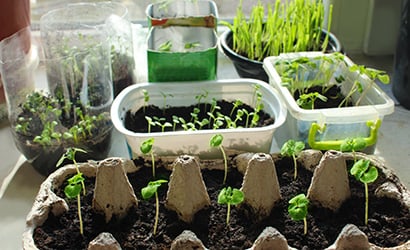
(257, 139)
(325, 129)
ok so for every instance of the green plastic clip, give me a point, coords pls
(335, 145)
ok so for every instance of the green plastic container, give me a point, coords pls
(178, 62)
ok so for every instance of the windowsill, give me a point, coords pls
(18, 198)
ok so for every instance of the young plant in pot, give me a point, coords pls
(255, 209)
(286, 27)
(245, 112)
(329, 98)
(43, 131)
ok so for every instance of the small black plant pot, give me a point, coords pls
(248, 68)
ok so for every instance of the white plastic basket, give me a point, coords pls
(257, 139)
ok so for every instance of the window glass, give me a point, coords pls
(136, 8)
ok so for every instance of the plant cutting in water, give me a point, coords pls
(150, 190)
(298, 209)
(230, 196)
(75, 183)
(292, 148)
(364, 172)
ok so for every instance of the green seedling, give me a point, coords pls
(216, 142)
(161, 122)
(364, 172)
(146, 148)
(146, 99)
(150, 190)
(236, 105)
(191, 46)
(175, 122)
(165, 47)
(200, 97)
(194, 114)
(230, 196)
(353, 145)
(48, 134)
(298, 209)
(164, 97)
(292, 148)
(75, 183)
(150, 123)
(202, 123)
(307, 101)
(373, 74)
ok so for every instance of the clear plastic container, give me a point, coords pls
(326, 128)
(93, 30)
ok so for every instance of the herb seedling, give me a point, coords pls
(146, 99)
(298, 209)
(353, 145)
(75, 183)
(146, 148)
(307, 101)
(150, 190)
(191, 46)
(199, 97)
(150, 122)
(230, 196)
(236, 105)
(216, 142)
(364, 172)
(373, 74)
(165, 47)
(292, 148)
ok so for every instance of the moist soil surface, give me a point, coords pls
(334, 98)
(388, 224)
(136, 121)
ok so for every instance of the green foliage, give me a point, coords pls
(364, 172)
(146, 148)
(216, 142)
(292, 148)
(150, 190)
(46, 112)
(165, 47)
(74, 186)
(75, 183)
(202, 117)
(289, 26)
(230, 196)
(353, 144)
(298, 209)
(307, 101)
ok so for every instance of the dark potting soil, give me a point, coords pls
(136, 121)
(334, 97)
(388, 224)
